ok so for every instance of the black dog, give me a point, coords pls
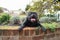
(32, 21)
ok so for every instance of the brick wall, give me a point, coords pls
(29, 34)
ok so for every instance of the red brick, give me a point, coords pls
(37, 32)
(29, 31)
(29, 38)
(22, 38)
(15, 32)
(38, 37)
(5, 38)
(21, 33)
(5, 32)
(41, 32)
(1, 38)
(10, 38)
(58, 29)
(26, 32)
(48, 31)
(32, 32)
(10, 33)
(29, 34)
(1, 32)
(50, 35)
(57, 34)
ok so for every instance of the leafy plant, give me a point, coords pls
(4, 18)
(50, 26)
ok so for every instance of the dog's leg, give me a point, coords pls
(44, 29)
(23, 25)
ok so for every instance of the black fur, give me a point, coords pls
(28, 23)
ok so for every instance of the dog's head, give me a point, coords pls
(32, 16)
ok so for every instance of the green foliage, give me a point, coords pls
(41, 15)
(50, 26)
(57, 7)
(36, 7)
(40, 5)
(4, 18)
(27, 7)
(0, 19)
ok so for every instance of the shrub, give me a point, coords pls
(0, 19)
(4, 18)
(14, 20)
(50, 26)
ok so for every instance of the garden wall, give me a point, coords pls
(29, 34)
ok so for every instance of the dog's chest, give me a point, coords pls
(32, 24)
